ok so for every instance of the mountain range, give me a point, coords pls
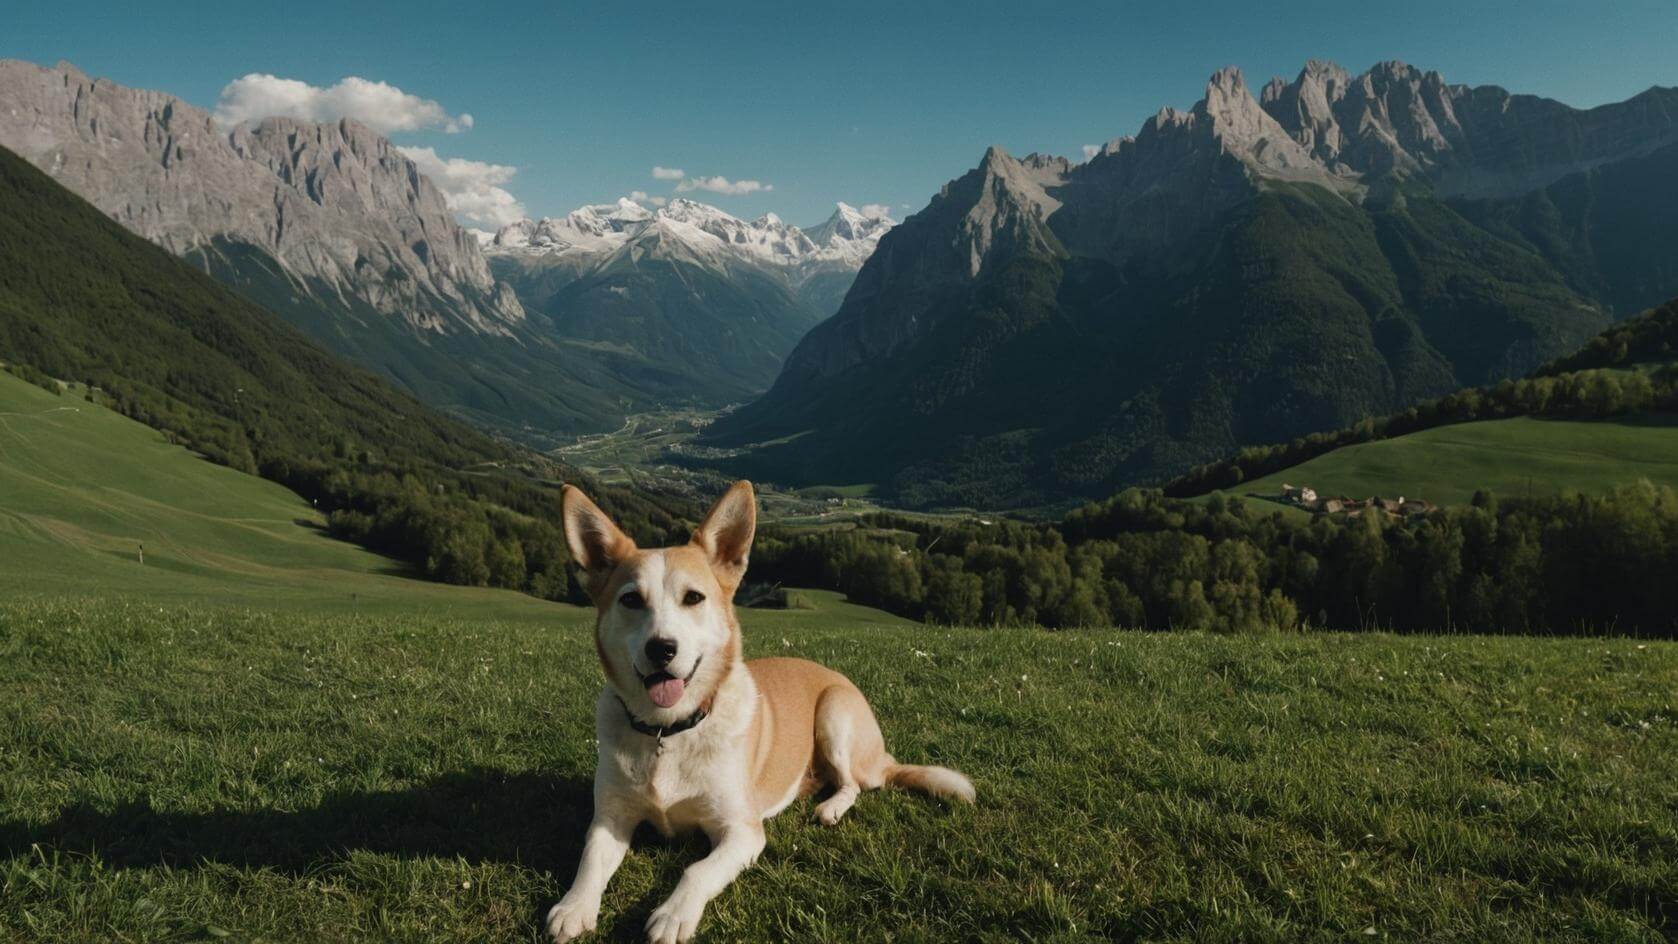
(331, 226)
(1248, 271)
(710, 301)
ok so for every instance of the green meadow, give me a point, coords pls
(1512, 457)
(262, 734)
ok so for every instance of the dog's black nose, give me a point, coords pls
(660, 651)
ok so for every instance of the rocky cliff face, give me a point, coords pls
(348, 217)
(1472, 142)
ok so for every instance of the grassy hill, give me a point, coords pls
(83, 489)
(1519, 456)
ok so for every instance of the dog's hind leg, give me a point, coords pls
(850, 751)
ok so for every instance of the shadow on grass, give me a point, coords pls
(479, 815)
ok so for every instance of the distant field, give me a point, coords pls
(1512, 457)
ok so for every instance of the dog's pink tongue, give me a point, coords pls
(667, 692)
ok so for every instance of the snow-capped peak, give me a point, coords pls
(597, 228)
(850, 234)
(848, 237)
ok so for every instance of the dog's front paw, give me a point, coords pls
(568, 919)
(674, 921)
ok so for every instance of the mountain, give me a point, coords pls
(539, 257)
(328, 225)
(700, 306)
(338, 207)
(82, 299)
(1247, 271)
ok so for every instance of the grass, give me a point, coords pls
(261, 734)
(182, 772)
(1448, 464)
(83, 488)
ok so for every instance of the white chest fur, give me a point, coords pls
(681, 781)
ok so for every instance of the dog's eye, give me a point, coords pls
(693, 598)
(632, 601)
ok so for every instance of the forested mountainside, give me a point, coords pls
(1245, 272)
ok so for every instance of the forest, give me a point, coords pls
(1557, 565)
(1564, 564)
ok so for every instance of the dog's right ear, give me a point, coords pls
(597, 545)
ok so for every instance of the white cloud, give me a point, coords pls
(473, 189)
(1091, 150)
(379, 105)
(723, 185)
(658, 201)
(642, 197)
(875, 210)
(639, 196)
(668, 173)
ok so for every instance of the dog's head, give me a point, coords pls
(665, 626)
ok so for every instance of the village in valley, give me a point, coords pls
(1306, 498)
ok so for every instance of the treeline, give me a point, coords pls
(30, 375)
(1581, 385)
(1568, 564)
(490, 522)
(1651, 336)
(483, 531)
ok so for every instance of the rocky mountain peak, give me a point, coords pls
(850, 236)
(341, 210)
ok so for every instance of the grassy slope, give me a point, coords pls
(260, 736)
(81, 488)
(1447, 464)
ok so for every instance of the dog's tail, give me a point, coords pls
(941, 782)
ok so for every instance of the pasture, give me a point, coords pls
(1512, 457)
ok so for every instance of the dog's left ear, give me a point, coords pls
(726, 533)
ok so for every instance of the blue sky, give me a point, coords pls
(863, 102)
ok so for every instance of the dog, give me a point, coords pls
(691, 736)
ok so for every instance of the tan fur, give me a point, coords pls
(774, 728)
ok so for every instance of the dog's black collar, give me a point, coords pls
(662, 731)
